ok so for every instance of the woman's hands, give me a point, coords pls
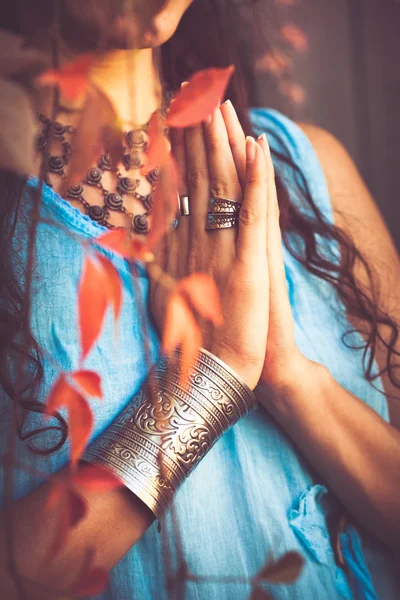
(236, 257)
(257, 338)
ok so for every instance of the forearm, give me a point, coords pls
(152, 446)
(114, 522)
(351, 446)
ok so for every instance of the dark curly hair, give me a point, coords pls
(204, 38)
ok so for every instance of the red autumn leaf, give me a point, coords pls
(294, 36)
(95, 478)
(274, 61)
(203, 293)
(165, 202)
(98, 131)
(159, 146)
(117, 240)
(77, 507)
(285, 570)
(200, 97)
(80, 424)
(88, 381)
(140, 250)
(71, 508)
(180, 327)
(61, 394)
(18, 128)
(71, 78)
(55, 494)
(259, 594)
(92, 303)
(293, 91)
(80, 416)
(92, 583)
(114, 284)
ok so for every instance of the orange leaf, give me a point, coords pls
(92, 301)
(294, 36)
(80, 424)
(200, 97)
(114, 284)
(89, 381)
(71, 508)
(274, 61)
(97, 132)
(159, 146)
(96, 478)
(61, 394)
(165, 201)
(71, 78)
(92, 583)
(285, 570)
(77, 507)
(79, 412)
(117, 240)
(180, 327)
(203, 293)
(293, 91)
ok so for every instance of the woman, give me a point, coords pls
(320, 445)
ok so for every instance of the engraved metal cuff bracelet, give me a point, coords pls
(167, 428)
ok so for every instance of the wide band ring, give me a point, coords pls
(221, 221)
(224, 206)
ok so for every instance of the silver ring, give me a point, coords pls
(221, 221)
(224, 206)
(184, 209)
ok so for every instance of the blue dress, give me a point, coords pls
(253, 496)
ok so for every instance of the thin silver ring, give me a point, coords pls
(184, 209)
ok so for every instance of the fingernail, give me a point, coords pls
(262, 137)
(227, 103)
(208, 120)
(250, 148)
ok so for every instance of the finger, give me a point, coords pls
(224, 181)
(178, 248)
(237, 139)
(197, 177)
(252, 235)
(279, 298)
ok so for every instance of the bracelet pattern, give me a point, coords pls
(167, 428)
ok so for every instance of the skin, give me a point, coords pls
(356, 452)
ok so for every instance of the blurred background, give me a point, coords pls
(336, 64)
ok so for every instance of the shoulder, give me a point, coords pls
(339, 168)
(354, 208)
(356, 212)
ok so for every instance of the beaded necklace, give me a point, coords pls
(133, 151)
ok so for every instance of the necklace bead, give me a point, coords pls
(56, 164)
(94, 176)
(136, 146)
(113, 201)
(97, 213)
(126, 185)
(58, 130)
(75, 191)
(140, 224)
(105, 163)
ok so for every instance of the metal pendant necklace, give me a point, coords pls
(134, 149)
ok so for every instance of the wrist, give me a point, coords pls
(300, 378)
(164, 432)
(247, 371)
